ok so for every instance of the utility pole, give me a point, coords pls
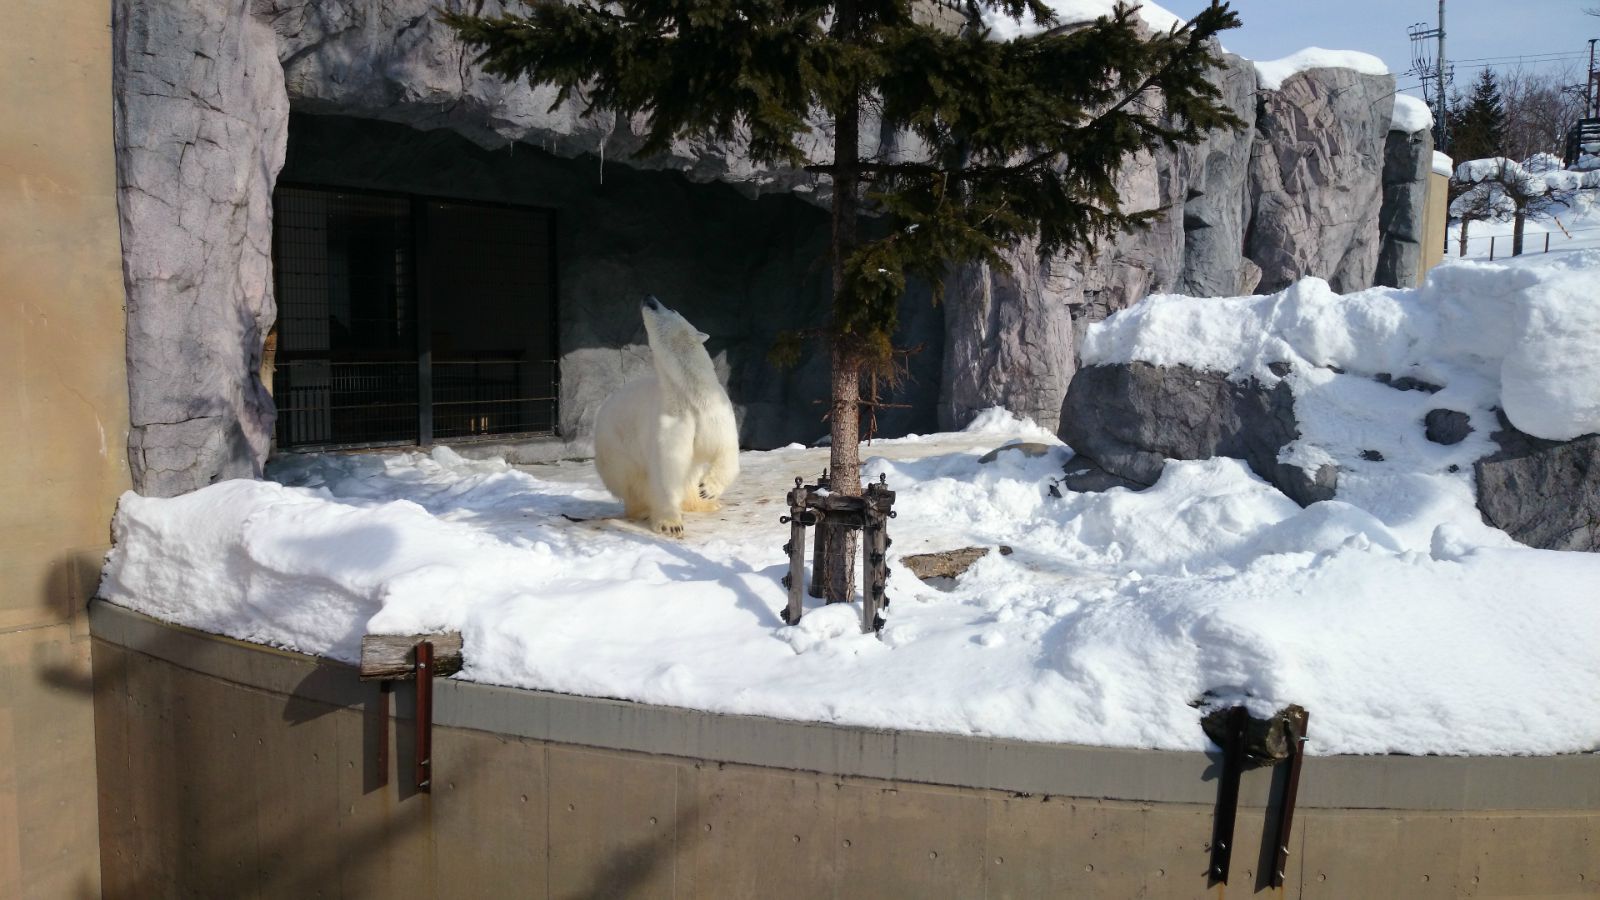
(1434, 72)
(1592, 87)
(1444, 120)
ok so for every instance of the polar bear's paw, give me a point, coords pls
(700, 504)
(672, 528)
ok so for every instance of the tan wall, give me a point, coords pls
(1435, 217)
(63, 410)
(234, 770)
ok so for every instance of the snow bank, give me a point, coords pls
(1274, 73)
(1411, 115)
(1070, 12)
(1518, 336)
(1396, 616)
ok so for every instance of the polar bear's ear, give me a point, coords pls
(701, 336)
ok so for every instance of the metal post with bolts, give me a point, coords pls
(1227, 796)
(1291, 792)
(796, 549)
(819, 556)
(869, 513)
(875, 513)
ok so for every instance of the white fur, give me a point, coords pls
(668, 443)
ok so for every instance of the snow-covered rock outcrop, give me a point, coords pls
(1486, 366)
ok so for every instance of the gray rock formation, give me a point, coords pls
(1214, 177)
(1130, 418)
(203, 92)
(1007, 340)
(1316, 178)
(200, 124)
(1408, 158)
(1545, 494)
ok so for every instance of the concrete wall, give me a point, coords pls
(1435, 219)
(63, 402)
(234, 770)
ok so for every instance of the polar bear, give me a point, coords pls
(668, 443)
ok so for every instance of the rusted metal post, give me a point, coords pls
(796, 548)
(424, 745)
(1228, 796)
(1291, 790)
(819, 558)
(875, 515)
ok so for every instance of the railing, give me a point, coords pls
(1494, 246)
(327, 404)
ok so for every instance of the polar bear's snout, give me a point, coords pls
(651, 303)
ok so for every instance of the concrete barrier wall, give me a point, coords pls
(229, 769)
(64, 415)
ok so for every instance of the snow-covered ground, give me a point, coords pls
(1392, 613)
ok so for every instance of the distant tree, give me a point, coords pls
(1023, 138)
(1502, 189)
(1540, 107)
(1468, 203)
(1477, 129)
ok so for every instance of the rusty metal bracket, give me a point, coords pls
(1291, 792)
(424, 717)
(1227, 797)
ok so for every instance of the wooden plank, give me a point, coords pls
(388, 657)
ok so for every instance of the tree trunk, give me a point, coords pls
(1464, 223)
(844, 412)
(1517, 221)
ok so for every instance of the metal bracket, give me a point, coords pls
(1227, 797)
(1291, 792)
(1233, 762)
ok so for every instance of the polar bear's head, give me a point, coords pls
(677, 346)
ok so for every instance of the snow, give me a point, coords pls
(1411, 115)
(1442, 164)
(1392, 612)
(1272, 74)
(1071, 12)
(1520, 336)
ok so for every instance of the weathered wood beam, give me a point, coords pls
(391, 657)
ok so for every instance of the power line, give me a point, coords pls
(1520, 56)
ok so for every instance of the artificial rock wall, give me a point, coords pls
(203, 94)
(1295, 192)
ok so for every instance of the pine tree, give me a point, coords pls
(1024, 137)
(1478, 127)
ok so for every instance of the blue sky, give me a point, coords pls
(1475, 29)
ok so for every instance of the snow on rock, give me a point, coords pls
(1273, 73)
(1411, 114)
(1517, 335)
(1070, 12)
